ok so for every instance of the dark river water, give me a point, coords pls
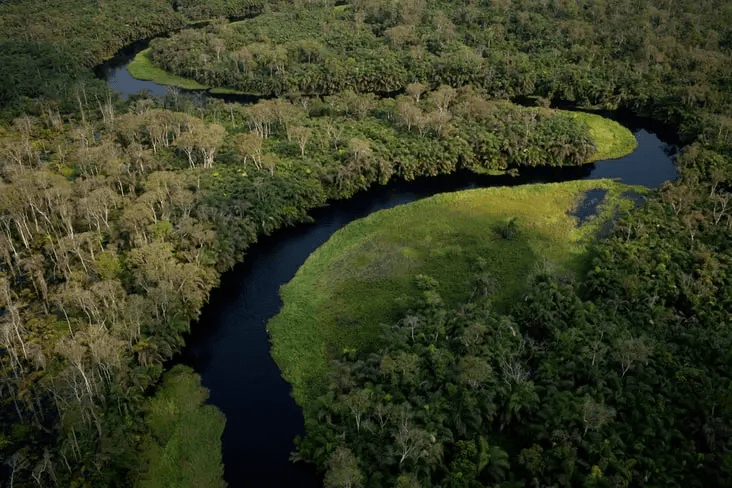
(229, 346)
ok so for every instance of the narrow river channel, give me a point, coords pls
(229, 346)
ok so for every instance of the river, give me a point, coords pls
(229, 346)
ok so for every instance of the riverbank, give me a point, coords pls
(365, 275)
(142, 68)
(597, 75)
(613, 141)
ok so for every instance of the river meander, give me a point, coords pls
(229, 346)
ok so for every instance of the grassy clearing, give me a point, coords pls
(351, 284)
(613, 141)
(143, 68)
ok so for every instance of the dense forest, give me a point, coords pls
(621, 379)
(613, 54)
(117, 218)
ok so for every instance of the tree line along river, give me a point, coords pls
(229, 346)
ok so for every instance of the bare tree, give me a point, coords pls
(721, 202)
(187, 143)
(514, 372)
(401, 365)
(218, 46)
(268, 163)
(334, 133)
(12, 319)
(105, 351)
(408, 113)
(440, 121)
(692, 220)
(359, 148)
(383, 413)
(415, 90)
(595, 415)
(343, 471)
(18, 461)
(261, 115)
(678, 195)
(412, 322)
(45, 465)
(301, 135)
(107, 109)
(249, 145)
(631, 351)
(415, 443)
(357, 402)
(209, 140)
(400, 35)
(75, 352)
(442, 98)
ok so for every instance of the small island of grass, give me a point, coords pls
(364, 275)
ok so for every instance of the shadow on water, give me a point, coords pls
(229, 345)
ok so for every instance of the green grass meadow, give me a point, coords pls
(613, 141)
(353, 282)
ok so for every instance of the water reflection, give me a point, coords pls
(122, 82)
(649, 165)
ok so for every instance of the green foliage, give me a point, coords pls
(108, 265)
(463, 471)
(98, 294)
(346, 288)
(183, 447)
(161, 229)
(530, 49)
(195, 9)
(560, 388)
(143, 69)
(343, 470)
(611, 139)
(47, 47)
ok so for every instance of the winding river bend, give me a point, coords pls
(229, 346)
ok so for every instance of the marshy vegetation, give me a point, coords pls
(465, 245)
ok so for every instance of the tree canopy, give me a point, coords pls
(116, 219)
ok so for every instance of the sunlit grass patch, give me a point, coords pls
(365, 273)
(612, 139)
(143, 68)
